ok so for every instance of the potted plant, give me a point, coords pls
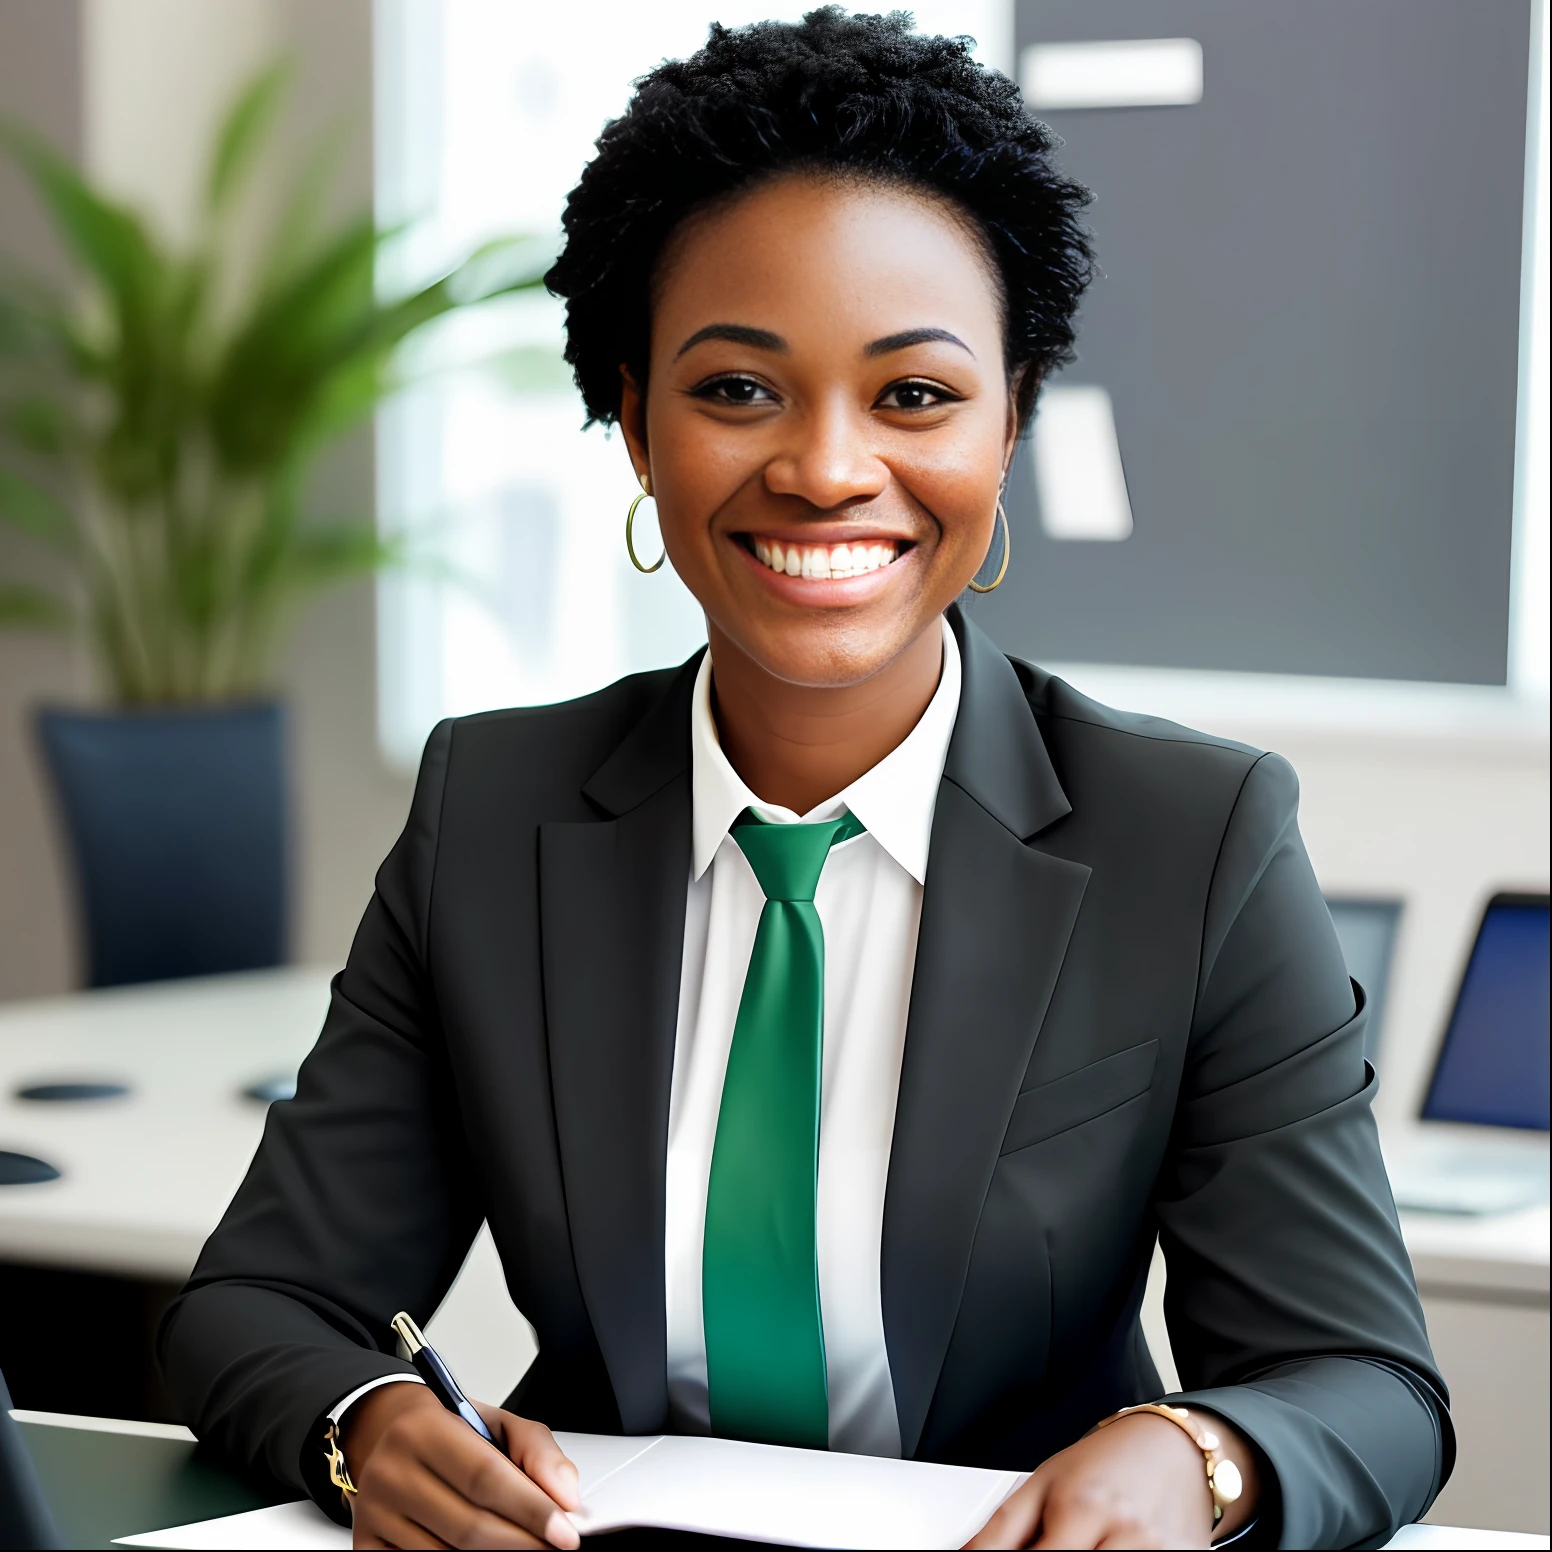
(158, 429)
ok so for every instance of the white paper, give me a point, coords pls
(805, 1498)
(801, 1498)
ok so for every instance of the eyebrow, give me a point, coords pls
(908, 337)
(735, 334)
(764, 339)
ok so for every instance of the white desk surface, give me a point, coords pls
(146, 1176)
(1462, 1257)
(1411, 1538)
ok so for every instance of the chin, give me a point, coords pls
(828, 654)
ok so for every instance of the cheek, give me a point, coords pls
(697, 466)
(957, 483)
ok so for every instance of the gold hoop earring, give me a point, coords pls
(1007, 555)
(630, 548)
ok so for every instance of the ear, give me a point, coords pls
(633, 425)
(1016, 388)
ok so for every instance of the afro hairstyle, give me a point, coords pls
(859, 97)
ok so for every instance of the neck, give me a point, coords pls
(796, 745)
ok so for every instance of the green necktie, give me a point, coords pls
(765, 1357)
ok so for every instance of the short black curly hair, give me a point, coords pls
(853, 96)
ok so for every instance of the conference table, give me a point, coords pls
(145, 1174)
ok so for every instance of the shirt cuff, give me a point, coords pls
(337, 1413)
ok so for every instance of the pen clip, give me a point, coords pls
(409, 1334)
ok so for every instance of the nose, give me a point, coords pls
(826, 459)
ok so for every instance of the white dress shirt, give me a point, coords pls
(869, 904)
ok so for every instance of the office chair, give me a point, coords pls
(177, 825)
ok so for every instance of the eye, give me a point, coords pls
(914, 395)
(734, 390)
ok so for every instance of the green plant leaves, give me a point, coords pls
(190, 396)
(247, 124)
(31, 608)
(35, 512)
(106, 237)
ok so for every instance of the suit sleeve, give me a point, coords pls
(358, 1203)
(1290, 1299)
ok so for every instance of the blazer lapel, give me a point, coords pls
(612, 901)
(997, 914)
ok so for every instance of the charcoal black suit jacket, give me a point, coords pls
(1130, 1020)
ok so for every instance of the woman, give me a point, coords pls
(827, 1028)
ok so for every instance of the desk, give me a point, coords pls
(146, 1476)
(1484, 1288)
(104, 1478)
(147, 1176)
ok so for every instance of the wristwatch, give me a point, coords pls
(1223, 1479)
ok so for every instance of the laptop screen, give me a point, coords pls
(1366, 929)
(1493, 1067)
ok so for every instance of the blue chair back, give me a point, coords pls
(177, 824)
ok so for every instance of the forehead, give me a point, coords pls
(820, 258)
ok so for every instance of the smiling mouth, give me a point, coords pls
(825, 562)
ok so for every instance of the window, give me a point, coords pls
(522, 593)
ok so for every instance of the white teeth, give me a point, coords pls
(824, 563)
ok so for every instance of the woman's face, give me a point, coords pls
(826, 422)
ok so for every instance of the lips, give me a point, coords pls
(825, 562)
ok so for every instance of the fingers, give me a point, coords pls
(393, 1530)
(432, 1481)
(491, 1484)
(460, 1523)
(1090, 1515)
(1130, 1538)
(1013, 1525)
(532, 1446)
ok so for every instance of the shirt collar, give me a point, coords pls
(895, 799)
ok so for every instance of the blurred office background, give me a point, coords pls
(1311, 394)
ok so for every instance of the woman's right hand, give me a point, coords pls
(424, 1478)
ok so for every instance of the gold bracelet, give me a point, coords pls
(1223, 1479)
(339, 1472)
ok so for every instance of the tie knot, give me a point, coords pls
(788, 858)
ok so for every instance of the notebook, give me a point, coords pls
(720, 1487)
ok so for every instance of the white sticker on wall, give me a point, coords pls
(1078, 475)
(1130, 73)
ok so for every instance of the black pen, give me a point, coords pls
(438, 1377)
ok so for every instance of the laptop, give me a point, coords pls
(1367, 931)
(1481, 1143)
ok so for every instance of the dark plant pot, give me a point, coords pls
(177, 823)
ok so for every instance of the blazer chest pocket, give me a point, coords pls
(1080, 1096)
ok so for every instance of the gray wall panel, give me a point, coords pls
(1308, 321)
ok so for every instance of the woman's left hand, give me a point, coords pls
(1140, 1482)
